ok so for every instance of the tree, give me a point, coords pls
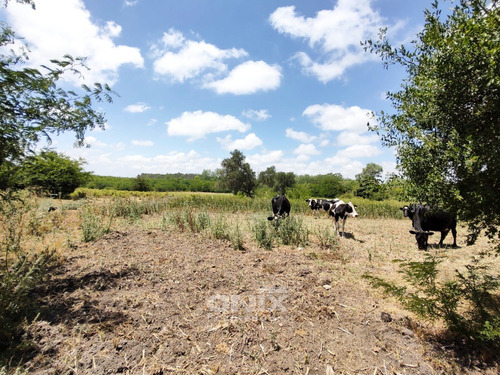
(140, 184)
(53, 172)
(369, 180)
(446, 132)
(268, 177)
(237, 175)
(33, 107)
(283, 181)
(446, 125)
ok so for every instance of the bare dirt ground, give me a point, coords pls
(147, 301)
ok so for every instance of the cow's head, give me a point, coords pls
(351, 209)
(422, 238)
(408, 210)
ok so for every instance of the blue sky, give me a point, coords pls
(285, 82)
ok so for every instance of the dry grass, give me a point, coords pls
(147, 298)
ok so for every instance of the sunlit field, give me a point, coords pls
(121, 256)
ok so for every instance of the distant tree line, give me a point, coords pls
(54, 173)
(237, 177)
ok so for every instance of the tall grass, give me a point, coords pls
(22, 268)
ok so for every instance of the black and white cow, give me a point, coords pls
(425, 220)
(340, 211)
(321, 204)
(281, 207)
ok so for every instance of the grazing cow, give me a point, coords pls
(424, 220)
(321, 204)
(341, 210)
(281, 207)
(409, 212)
(52, 208)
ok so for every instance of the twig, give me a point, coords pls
(345, 330)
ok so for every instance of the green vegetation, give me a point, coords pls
(447, 136)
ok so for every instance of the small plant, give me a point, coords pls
(466, 304)
(219, 229)
(93, 224)
(237, 238)
(292, 231)
(264, 234)
(326, 237)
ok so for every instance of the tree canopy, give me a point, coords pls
(34, 106)
(446, 125)
(53, 172)
(237, 175)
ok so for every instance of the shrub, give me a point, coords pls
(263, 234)
(466, 304)
(292, 231)
(94, 225)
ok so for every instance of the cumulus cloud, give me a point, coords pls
(300, 136)
(60, 27)
(347, 138)
(306, 149)
(260, 162)
(144, 143)
(361, 151)
(173, 162)
(180, 59)
(248, 78)
(248, 143)
(334, 35)
(332, 117)
(197, 124)
(137, 108)
(257, 115)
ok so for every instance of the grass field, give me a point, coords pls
(203, 283)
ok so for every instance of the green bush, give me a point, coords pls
(292, 231)
(466, 304)
(263, 234)
(94, 224)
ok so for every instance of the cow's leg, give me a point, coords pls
(444, 233)
(343, 226)
(454, 233)
(337, 226)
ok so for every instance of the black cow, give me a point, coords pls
(281, 207)
(424, 220)
(409, 212)
(321, 204)
(341, 210)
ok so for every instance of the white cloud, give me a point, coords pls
(248, 78)
(180, 59)
(260, 162)
(173, 162)
(60, 27)
(137, 108)
(306, 149)
(93, 141)
(248, 143)
(197, 124)
(145, 143)
(334, 35)
(257, 115)
(130, 3)
(347, 138)
(360, 151)
(300, 136)
(331, 117)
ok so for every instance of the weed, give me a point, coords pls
(237, 238)
(292, 231)
(93, 223)
(327, 238)
(263, 234)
